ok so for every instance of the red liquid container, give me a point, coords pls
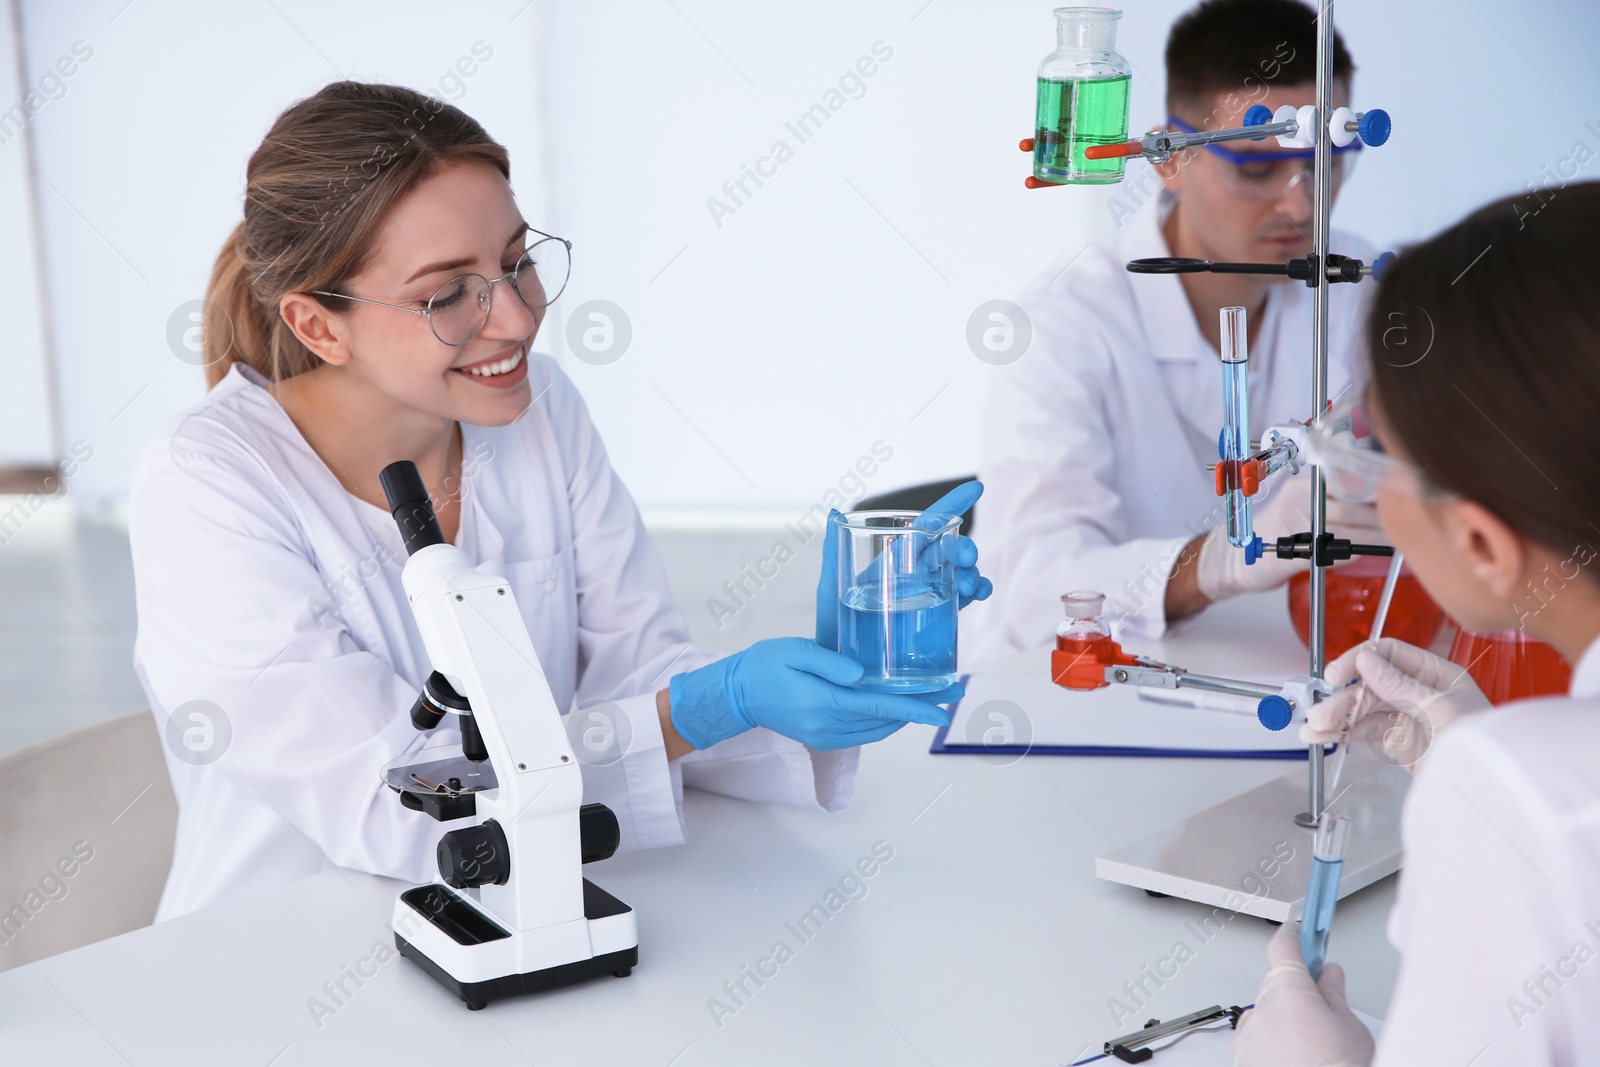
(1354, 589)
(1080, 662)
(1511, 666)
(1084, 648)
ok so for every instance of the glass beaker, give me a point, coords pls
(1353, 591)
(1082, 99)
(1511, 665)
(898, 598)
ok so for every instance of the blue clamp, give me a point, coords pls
(1381, 264)
(1258, 115)
(1373, 127)
(1253, 551)
(1274, 712)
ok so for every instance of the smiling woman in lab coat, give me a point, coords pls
(345, 330)
(1491, 488)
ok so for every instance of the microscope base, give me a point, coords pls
(472, 956)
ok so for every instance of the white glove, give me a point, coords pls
(1408, 696)
(1297, 1022)
(1221, 571)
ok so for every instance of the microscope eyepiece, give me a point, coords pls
(410, 505)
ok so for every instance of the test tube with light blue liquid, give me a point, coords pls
(1234, 445)
(1327, 858)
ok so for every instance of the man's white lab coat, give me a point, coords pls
(272, 595)
(1095, 442)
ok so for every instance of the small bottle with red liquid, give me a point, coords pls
(1511, 665)
(1084, 647)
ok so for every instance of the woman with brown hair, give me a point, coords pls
(377, 303)
(1489, 475)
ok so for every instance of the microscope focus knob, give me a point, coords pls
(599, 832)
(474, 856)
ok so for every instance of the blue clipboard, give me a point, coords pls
(942, 746)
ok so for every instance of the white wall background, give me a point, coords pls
(27, 406)
(141, 166)
(829, 311)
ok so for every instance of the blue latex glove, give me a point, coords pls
(970, 585)
(799, 689)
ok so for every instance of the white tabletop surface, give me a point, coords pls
(985, 939)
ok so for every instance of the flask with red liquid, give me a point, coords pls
(1354, 589)
(1084, 647)
(1511, 665)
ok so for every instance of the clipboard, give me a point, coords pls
(1013, 715)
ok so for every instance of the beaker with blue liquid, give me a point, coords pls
(898, 597)
(1327, 858)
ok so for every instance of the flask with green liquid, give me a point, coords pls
(1083, 98)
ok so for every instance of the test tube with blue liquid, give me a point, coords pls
(898, 598)
(1234, 444)
(1327, 857)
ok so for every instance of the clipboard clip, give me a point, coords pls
(1135, 1047)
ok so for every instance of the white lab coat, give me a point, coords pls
(1501, 887)
(1094, 443)
(269, 591)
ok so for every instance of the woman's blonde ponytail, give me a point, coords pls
(233, 328)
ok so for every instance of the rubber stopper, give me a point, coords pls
(1373, 127)
(1274, 712)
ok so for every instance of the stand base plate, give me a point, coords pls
(1249, 855)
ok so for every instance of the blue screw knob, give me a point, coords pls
(1382, 264)
(1274, 712)
(1252, 551)
(1258, 115)
(1373, 127)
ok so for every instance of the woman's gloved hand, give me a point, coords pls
(970, 585)
(1221, 570)
(1408, 696)
(1297, 1022)
(799, 689)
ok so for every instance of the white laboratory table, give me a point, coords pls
(984, 939)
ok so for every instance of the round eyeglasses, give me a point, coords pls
(459, 309)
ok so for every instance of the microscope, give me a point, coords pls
(514, 913)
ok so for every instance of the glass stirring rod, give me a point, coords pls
(1378, 618)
